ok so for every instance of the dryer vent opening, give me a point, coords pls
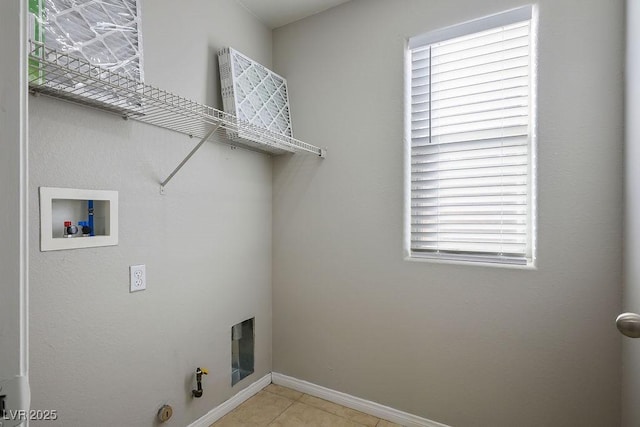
(242, 354)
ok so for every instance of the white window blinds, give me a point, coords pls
(470, 144)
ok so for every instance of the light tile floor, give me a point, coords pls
(278, 406)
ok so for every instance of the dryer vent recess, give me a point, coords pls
(242, 350)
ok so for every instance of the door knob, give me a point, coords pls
(629, 324)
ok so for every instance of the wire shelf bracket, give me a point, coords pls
(186, 159)
(63, 76)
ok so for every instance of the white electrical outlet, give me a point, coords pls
(138, 278)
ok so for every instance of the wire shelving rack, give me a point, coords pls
(61, 75)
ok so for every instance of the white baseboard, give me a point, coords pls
(223, 409)
(362, 405)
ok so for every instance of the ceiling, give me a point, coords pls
(276, 13)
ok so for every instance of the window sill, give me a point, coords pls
(441, 260)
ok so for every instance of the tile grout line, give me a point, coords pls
(283, 411)
(314, 407)
(245, 402)
(279, 415)
(381, 411)
(293, 400)
(298, 400)
(336, 415)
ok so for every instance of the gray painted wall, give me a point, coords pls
(100, 355)
(631, 348)
(462, 345)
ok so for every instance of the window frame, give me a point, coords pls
(528, 12)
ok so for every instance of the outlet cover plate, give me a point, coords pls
(137, 278)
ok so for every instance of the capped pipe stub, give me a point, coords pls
(165, 413)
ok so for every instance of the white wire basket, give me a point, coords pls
(51, 73)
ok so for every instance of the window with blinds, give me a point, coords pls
(471, 144)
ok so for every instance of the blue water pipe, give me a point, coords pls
(90, 209)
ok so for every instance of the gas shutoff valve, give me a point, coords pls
(198, 391)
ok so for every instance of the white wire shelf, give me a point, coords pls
(64, 76)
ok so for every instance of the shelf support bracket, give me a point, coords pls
(186, 159)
